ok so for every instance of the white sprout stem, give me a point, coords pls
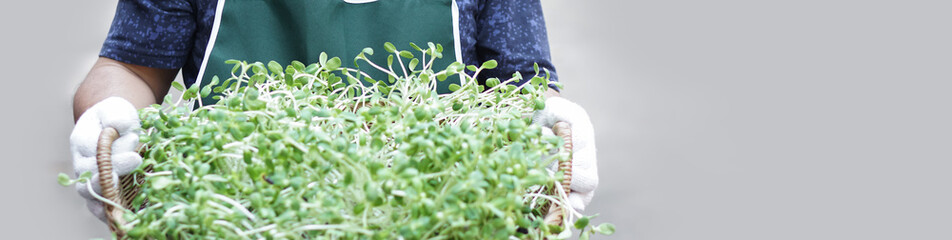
(359, 72)
(314, 227)
(390, 72)
(156, 174)
(261, 229)
(220, 207)
(432, 58)
(173, 209)
(89, 187)
(228, 225)
(236, 204)
(131, 224)
(403, 67)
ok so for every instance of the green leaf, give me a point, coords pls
(406, 54)
(489, 64)
(178, 86)
(333, 64)
(413, 63)
(415, 47)
(582, 222)
(251, 94)
(63, 179)
(389, 47)
(528, 88)
(274, 67)
(605, 229)
(454, 87)
(312, 69)
(537, 81)
(472, 68)
(257, 79)
(368, 51)
(297, 65)
(206, 90)
(161, 182)
(539, 104)
(454, 67)
(535, 67)
(492, 82)
(235, 68)
(322, 59)
(258, 68)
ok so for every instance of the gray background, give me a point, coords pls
(715, 119)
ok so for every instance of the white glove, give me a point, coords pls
(112, 112)
(584, 169)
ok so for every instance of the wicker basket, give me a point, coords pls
(127, 190)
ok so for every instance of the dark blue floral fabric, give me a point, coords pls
(173, 34)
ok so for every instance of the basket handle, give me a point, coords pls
(109, 188)
(564, 130)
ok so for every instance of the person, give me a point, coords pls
(151, 40)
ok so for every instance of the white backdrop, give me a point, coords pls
(715, 119)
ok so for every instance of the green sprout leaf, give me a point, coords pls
(64, 180)
(489, 64)
(333, 64)
(605, 229)
(274, 67)
(178, 86)
(415, 47)
(413, 64)
(406, 54)
(582, 222)
(455, 67)
(161, 182)
(492, 82)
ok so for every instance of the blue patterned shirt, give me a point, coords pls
(173, 34)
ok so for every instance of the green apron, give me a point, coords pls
(286, 30)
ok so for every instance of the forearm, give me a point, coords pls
(109, 78)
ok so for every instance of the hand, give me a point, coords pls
(584, 169)
(112, 112)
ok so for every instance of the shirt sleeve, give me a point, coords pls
(151, 33)
(513, 33)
